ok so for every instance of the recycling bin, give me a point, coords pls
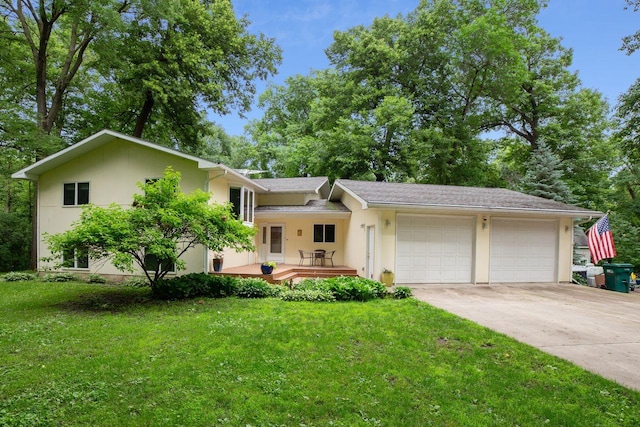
(617, 276)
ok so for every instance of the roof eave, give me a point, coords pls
(92, 142)
(323, 214)
(466, 208)
(237, 175)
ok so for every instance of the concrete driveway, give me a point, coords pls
(596, 329)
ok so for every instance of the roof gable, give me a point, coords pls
(388, 194)
(33, 172)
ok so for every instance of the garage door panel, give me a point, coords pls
(433, 249)
(523, 250)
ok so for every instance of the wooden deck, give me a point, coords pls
(285, 272)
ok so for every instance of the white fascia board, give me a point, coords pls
(34, 171)
(235, 174)
(291, 214)
(339, 187)
(485, 209)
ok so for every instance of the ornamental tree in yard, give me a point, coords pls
(159, 227)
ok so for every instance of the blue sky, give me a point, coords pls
(304, 29)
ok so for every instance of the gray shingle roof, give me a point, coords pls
(313, 206)
(289, 185)
(424, 195)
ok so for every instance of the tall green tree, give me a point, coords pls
(411, 98)
(70, 68)
(172, 61)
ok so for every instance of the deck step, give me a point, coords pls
(292, 273)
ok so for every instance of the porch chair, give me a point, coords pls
(319, 257)
(306, 255)
(329, 256)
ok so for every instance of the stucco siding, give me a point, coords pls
(112, 170)
(281, 199)
(298, 232)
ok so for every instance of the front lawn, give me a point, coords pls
(78, 354)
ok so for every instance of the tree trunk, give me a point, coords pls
(147, 108)
(33, 263)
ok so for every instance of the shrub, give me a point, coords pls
(15, 242)
(256, 288)
(181, 287)
(401, 292)
(96, 278)
(18, 276)
(136, 282)
(579, 279)
(355, 288)
(222, 286)
(59, 277)
(346, 288)
(314, 295)
(195, 285)
(309, 283)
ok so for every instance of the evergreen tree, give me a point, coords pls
(544, 176)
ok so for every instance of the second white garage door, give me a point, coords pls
(523, 250)
(433, 249)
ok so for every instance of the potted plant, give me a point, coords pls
(217, 260)
(387, 277)
(267, 267)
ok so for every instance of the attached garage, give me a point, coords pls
(434, 249)
(523, 250)
(453, 234)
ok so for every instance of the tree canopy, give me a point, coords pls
(457, 92)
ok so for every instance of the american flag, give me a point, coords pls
(600, 240)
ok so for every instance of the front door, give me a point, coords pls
(273, 242)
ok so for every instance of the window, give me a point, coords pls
(151, 263)
(76, 193)
(324, 233)
(242, 200)
(75, 259)
(235, 197)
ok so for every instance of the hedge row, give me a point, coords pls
(331, 289)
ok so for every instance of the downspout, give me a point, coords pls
(208, 190)
(583, 221)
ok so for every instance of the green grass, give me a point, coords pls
(79, 354)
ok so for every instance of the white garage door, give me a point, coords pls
(432, 249)
(523, 250)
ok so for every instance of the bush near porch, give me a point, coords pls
(327, 289)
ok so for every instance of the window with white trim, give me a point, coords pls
(75, 193)
(75, 259)
(243, 201)
(151, 263)
(324, 233)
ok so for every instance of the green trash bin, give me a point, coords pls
(617, 276)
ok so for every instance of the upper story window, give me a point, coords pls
(75, 193)
(324, 233)
(242, 200)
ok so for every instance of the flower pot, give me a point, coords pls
(266, 269)
(387, 279)
(217, 264)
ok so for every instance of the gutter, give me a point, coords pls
(573, 213)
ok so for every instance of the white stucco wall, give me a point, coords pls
(112, 171)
